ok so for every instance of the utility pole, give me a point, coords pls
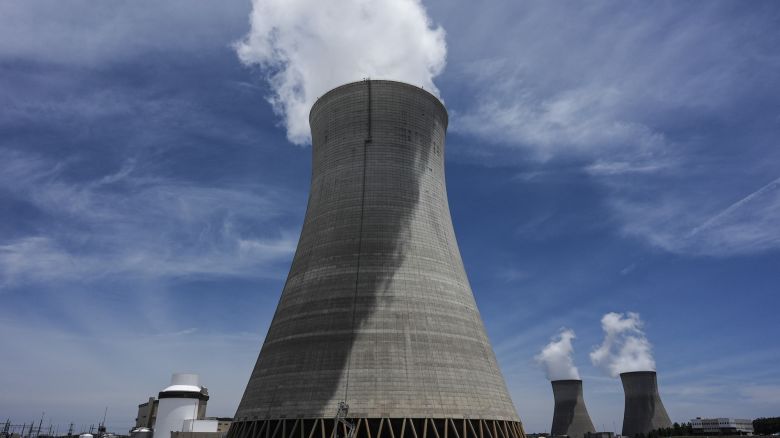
(40, 423)
(102, 427)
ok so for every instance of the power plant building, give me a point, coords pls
(644, 411)
(377, 333)
(570, 417)
(721, 426)
(181, 407)
(147, 414)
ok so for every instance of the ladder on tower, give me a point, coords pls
(341, 418)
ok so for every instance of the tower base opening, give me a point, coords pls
(376, 428)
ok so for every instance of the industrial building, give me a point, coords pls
(570, 416)
(180, 407)
(147, 414)
(721, 426)
(644, 412)
(377, 330)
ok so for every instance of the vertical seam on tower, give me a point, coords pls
(360, 239)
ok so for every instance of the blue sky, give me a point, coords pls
(601, 157)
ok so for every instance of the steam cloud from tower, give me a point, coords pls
(307, 47)
(556, 357)
(625, 347)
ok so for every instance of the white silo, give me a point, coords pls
(183, 400)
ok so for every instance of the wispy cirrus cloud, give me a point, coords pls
(602, 87)
(588, 121)
(695, 226)
(85, 33)
(149, 227)
(645, 112)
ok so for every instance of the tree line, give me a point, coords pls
(677, 429)
(766, 426)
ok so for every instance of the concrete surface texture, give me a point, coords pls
(644, 410)
(377, 310)
(570, 416)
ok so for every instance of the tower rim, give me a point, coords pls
(336, 89)
(638, 373)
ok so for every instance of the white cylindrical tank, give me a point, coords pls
(141, 432)
(86, 435)
(177, 403)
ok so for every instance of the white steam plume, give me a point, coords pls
(307, 47)
(625, 347)
(556, 357)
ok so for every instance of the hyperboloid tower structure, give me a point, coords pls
(377, 334)
(644, 411)
(570, 416)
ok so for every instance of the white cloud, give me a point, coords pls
(307, 47)
(606, 167)
(37, 258)
(647, 111)
(551, 81)
(151, 228)
(81, 32)
(556, 357)
(586, 121)
(625, 347)
(694, 226)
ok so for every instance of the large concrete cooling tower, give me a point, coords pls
(377, 312)
(570, 416)
(644, 411)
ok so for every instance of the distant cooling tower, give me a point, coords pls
(644, 411)
(570, 416)
(377, 334)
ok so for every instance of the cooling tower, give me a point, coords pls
(570, 416)
(644, 411)
(377, 312)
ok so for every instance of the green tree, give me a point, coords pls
(766, 426)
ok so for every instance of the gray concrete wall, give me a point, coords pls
(377, 309)
(570, 416)
(147, 414)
